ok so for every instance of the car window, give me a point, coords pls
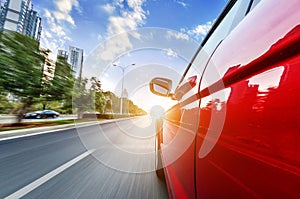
(230, 21)
(255, 2)
(236, 13)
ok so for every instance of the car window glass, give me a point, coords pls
(255, 2)
(230, 21)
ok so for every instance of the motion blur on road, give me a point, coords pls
(112, 160)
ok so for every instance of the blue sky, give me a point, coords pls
(86, 23)
(164, 36)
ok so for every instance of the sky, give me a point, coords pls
(118, 31)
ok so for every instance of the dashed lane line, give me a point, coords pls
(28, 188)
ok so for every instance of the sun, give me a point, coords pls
(157, 111)
(147, 100)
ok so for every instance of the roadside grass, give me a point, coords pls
(24, 125)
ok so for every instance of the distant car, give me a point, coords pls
(41, 114)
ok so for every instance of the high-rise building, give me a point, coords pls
(62, 53)
(49, 66)
(74, 57)
(19, 16)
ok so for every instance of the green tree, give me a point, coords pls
(82, 97)
(60, 87)
(114, 104)
(88, 96)
(21, 68)
(5, 106)
(99, 98)
(135, 110)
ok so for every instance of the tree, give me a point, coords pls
(113, 104)
(97, 93)
(59, 87)
(82, 97)
(21, 68)
(88, 99)
(5, 106)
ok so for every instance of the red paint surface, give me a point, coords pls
(249, 121)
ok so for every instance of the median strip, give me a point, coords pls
(21, 133)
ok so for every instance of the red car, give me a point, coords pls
(235, 132)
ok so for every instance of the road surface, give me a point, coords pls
(114, 160)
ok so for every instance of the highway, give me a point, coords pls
(112, 160)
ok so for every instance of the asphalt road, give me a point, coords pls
(114, 160)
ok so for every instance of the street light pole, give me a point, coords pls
(122, 91)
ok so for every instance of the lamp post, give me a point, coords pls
(123, 72)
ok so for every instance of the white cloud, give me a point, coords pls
(64, 8)
(99, 38)
(55, 31)
(47, 34)
(169, 52)
(53, 25)
(130, 18)
(108, 8)
(200, 31)
(116, 46)
(61, 16)
(177, 35)
(183, 4)
(66, 5)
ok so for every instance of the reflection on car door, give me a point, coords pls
(248, 125)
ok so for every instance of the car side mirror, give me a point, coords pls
(161, 86)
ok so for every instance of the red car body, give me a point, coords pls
(235, 132)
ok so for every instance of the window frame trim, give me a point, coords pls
(216, 24)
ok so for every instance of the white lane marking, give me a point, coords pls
(28, 188)
(44, 132)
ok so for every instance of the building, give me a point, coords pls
(62, 53)
(19, 16)
(49, 66)
(33, 25)
(74, 57)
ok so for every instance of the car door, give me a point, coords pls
(247, 141)
(180, 124)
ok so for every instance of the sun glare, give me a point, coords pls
(157, 111)
(147, 100)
